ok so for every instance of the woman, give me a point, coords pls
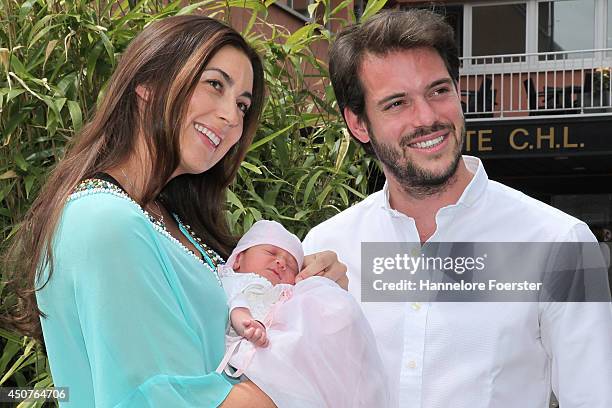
(124, 240)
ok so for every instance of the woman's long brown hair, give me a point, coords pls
(168, 58)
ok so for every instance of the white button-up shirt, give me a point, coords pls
(471, 355)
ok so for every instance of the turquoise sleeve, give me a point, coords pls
(142, 351)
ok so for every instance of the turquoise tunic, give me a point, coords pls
(134, 319)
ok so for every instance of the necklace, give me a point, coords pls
(159, 215)
(210, 253)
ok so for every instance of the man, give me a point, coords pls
(395, 78)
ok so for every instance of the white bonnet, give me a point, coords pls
(271, 233)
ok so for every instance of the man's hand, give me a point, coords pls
(255, 332)
(325, 264)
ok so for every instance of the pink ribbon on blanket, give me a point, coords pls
(231, 349)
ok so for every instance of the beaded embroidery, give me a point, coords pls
(93, 186)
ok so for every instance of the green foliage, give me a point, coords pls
(55, 58)
(303, 167)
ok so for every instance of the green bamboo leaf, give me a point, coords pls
(234, 217)
(41, 34)
(75, 115)
(372, 8)
(29, 182)
(20, 161)
(10, 336)
(14, 229)
(8, 353)
(256, 5)
(251, 167)
(52, 123)
(233, 199)
(344, 5)
(59, 103)
(352, 190)
(193, 7)
(125, 5)
(266, 139)
(298, 185)
(26, 353)
(41, 155)
(110, 50)
(301, 34)
(26, 8)
(312, 8)
(256, 213)
(66, 84)
(13, 93)
(301, 214)
(6, 190)
(282, 152)
(248, 221)
(92, 61)
(251, 23)
(343, 196)
(172, 7)
(323, 196)
(53, 106)
(311, 184)
(18, 67)
(41, 23)
(272, 193)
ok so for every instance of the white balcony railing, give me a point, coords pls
(552, 83)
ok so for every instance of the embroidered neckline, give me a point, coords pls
(94, 185)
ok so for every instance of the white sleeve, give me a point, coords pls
(578, 338)
(236, 285)
(233, 284)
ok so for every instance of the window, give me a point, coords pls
(499, 29)
(609, 26)
(566, 25)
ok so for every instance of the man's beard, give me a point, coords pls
(416, 180)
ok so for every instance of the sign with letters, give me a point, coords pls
(539, 137)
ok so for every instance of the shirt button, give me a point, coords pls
(416, 306)
(411, 364)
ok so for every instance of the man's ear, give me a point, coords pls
(142, 92)
(236, 265)
(357, 126)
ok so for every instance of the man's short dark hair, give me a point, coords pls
(385, 32)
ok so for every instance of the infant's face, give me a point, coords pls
(269, 261)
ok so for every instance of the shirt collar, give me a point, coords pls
(469, 196)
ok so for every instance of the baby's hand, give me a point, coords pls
(255, 332)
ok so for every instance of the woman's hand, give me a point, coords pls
(325, 264)
(247, 394)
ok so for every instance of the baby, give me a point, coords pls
(266, 251)
(306, 344)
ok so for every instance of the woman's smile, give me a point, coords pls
(209, 134)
